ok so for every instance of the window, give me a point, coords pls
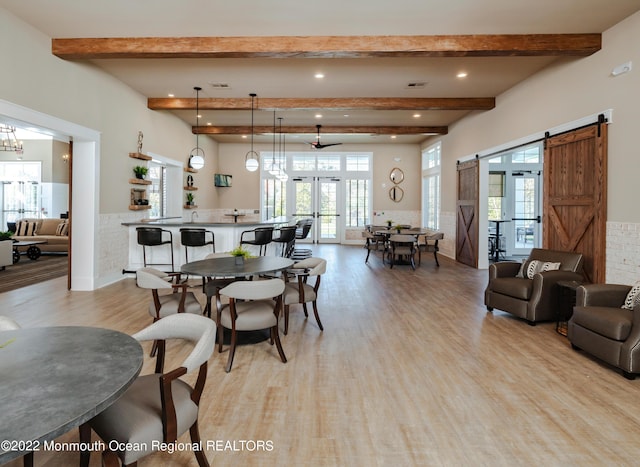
(274, 197)
(496, 194)
(21, 190)
(431, 187)
(157, 189)
(357, 201)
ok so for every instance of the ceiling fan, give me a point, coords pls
(317, 144)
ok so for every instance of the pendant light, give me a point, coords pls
(273, 167)
(196, 156)
(282, 156)
(251, 159)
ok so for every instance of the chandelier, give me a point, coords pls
(9, 140)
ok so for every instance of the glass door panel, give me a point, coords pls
(328, 215)
(318, 198)
(525, 220)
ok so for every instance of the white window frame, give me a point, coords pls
(431, 186)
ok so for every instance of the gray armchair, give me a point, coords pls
(531, 299)
(600, 327)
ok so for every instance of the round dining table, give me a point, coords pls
(228, 267)
(56, 378)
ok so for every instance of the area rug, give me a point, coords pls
(28, 272)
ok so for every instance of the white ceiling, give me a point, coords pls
(357, 77)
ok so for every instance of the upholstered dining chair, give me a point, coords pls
(300, 291)
(402, 247)
(373, 242)
(429, 244)
(211, 285)
(180, 300)
(253, 305)
(160, 406)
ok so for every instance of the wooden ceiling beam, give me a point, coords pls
(338, 104)
(487, 45)
(326, 129)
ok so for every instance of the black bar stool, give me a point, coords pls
(260, 237)
(303, 227)
(191, 237)
(287, 239)
(153, 236)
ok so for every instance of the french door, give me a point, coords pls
(524, 230)
(319, 198)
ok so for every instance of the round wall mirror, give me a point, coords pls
(396, 175)
(396, 194)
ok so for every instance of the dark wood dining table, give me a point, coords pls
(54, 379)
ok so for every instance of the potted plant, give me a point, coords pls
(189, 199)
(6, 236)
(140, 171)
(240, 254)
(389, 223)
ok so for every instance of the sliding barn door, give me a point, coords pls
(575, 196)
(467, 213)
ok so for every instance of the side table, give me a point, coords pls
(566, 301)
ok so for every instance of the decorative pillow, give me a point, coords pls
(26, 228)
(633, 297)
(536, 266)
(62, 229)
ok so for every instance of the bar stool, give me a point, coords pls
(152, 236)
(260, 237)
(191, 237)
(287, 239)
(303, 227)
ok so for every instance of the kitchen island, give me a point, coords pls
(226, 234)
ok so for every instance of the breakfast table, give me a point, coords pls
(57, 378)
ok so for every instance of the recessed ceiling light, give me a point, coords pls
(199, 116)
(171, 95)
(318, 115)
(346, 115)
(393, 136)
(462, 74)
(319, 75)
(244, 136)
(208, 123)
(417, 115)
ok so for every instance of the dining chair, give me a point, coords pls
(211, 285)
(429, 243)
(373, 242)
(157, 408)
(253, 305)
(402, 247)
(303, 229)
(179, 301)
(300, 291)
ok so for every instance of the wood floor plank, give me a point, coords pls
(410, 370)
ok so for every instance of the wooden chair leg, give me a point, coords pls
(276, 337)
(315, 312)
(195, 439)
(27, 459)
(232, 350)
(286, 319)
(435, 255)
(306, 312)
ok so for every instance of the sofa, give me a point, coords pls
(54, 231)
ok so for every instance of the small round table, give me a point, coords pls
(56, 378)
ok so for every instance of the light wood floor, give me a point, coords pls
(411, 370)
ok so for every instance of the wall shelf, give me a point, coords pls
(192, 206)
(138, 207)
(190, 188)
(190, 170)
(139, 155)
(138, 181)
